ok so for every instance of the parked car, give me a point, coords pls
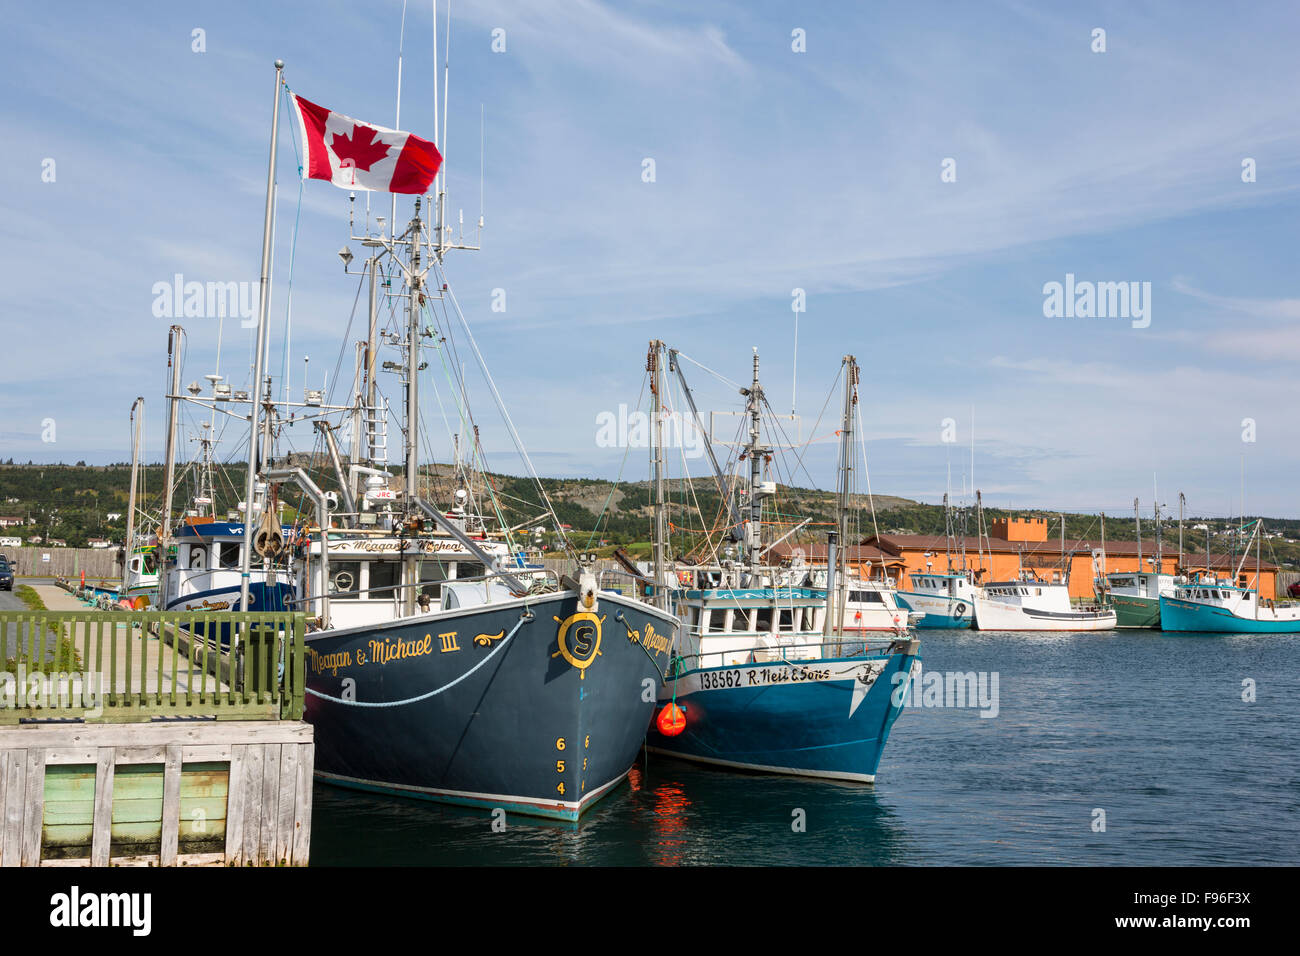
(1294, 590)
(6, 576)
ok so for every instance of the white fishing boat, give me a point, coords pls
(1030, 604)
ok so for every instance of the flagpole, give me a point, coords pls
(263, 306)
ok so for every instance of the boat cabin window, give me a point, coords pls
(866, 597)
(384, 575)
(785, 619)
(345, 576)
(228, 554)
(432, 574)
(763, 620)
(467, 569)
(715, 621)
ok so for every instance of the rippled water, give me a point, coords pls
(1149, 727)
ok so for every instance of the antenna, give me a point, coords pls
(446, 84)
(401, 42)
(480, 167)
(972, 446)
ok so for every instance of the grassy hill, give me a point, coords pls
(77, 502)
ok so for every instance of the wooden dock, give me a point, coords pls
(177, 755)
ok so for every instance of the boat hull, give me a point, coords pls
(485, 707)
(262, 597)
(1135, 611)
(940, 612)
(1180, 615)
(995, 616)
(827, 718)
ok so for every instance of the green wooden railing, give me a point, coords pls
(122, 666)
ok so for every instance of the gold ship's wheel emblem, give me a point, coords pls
(579, 640)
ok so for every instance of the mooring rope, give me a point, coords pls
(526, 616)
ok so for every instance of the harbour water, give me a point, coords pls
(1150, 728)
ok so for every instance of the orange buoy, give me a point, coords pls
(858, 616)
(672, 720)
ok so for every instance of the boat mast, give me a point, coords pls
(1103, 545)
(263, 307)
(414, 333)
(754, 527)
(846, 486)
(137, 425)
(654, 366)
(1137, 530)
(1182, 500)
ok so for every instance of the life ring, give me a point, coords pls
(684, 578)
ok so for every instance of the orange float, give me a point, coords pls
(672, 720)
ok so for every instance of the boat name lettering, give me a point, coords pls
(652, 641)
(328, 662)
(381, 652)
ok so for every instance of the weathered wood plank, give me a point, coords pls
(235, 806)
(206, 753)
(136, 755)
(102, 834)
(286, 803)
(270, 804)
(15, 790)
(35, 805)
(302, 808)
(4, 788)
(56, 756)
(171, 806)
(252, 803)
(159, 733)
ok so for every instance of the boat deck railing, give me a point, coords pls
(121, 666)
(547, 575)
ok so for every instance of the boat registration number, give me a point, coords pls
(758, 676)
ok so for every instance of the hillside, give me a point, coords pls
(79, 502)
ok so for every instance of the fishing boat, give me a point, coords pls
(945, 599)
(1031, 604)
(440, 666)
(767, 677)
(1135, 595)
(205, 573)
(1216, 605)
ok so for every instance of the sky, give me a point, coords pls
(916, 175)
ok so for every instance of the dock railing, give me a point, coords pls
(123, 666)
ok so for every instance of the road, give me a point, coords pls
(10, 602)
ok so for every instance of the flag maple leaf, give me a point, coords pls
(353, 150)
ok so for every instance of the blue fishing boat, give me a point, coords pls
(770, 676)
(204, 575)
(762, 689)
(946, 600)
(1214, 605)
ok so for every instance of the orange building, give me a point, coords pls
(1020, 545)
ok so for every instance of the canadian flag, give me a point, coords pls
(356, 155)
